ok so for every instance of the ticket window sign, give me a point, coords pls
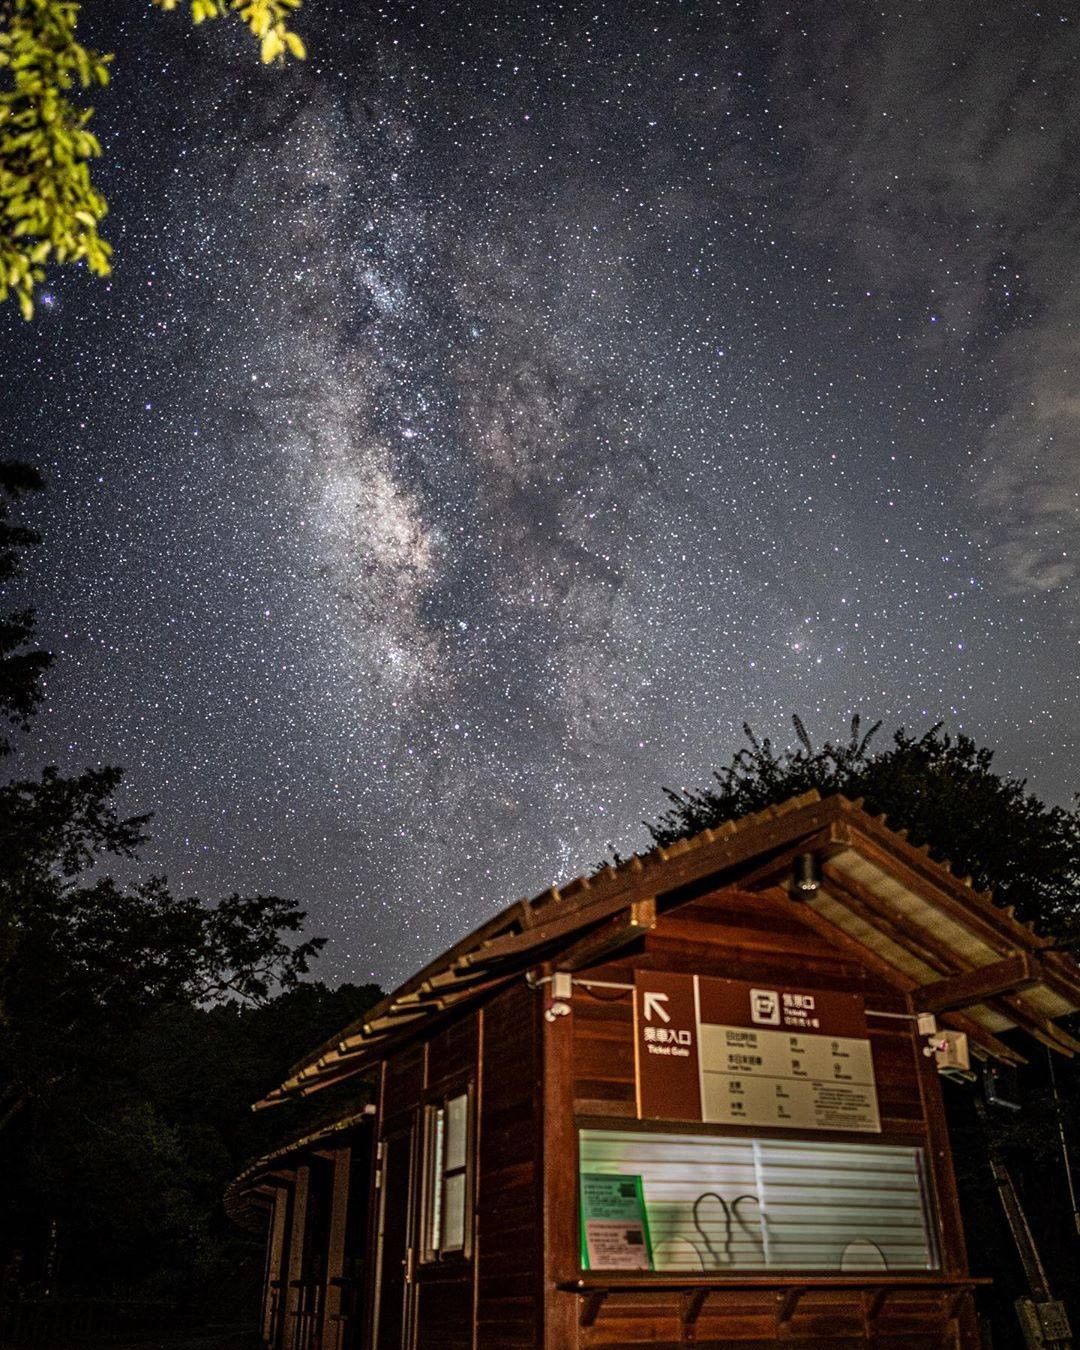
(740, 1053)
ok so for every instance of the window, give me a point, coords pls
(446, 1187)
(684, 1202)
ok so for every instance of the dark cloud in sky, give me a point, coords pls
(942, 143)
(490, 415)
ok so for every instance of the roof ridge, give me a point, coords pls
(502, 925)
(492, 952)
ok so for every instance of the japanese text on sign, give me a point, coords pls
(727, 1051)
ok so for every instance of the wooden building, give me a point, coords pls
(692, 1100)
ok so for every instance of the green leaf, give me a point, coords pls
(271, 47)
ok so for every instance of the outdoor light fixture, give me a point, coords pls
(805, 879)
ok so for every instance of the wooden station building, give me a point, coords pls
(686, 1101)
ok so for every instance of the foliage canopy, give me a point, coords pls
(50, 211)
(941, 788)
(135, 1025)
(21, 668)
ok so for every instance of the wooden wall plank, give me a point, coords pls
(340, 1161)
(508, 1249)
(295, 1265)
(453, 1050)
(403, 1085)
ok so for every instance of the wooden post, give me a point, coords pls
(275, 1244)
(340, 1160)
(954, 1253)
(477, 1144)
(295, 1272)
(558, 1148)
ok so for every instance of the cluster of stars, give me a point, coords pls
(490, 416)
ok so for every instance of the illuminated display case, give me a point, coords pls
(711, 1204)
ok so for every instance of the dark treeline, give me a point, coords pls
(115, 1173)
(136, 1027)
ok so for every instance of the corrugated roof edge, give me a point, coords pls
(237, 1202)
(519, 915)
(455, 966)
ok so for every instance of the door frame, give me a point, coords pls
(411, 1133)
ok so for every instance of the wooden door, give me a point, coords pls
(395, 1299)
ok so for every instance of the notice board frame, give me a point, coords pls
(819, 1039)
(913, 1136)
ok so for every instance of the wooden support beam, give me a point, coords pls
(561, 924)
(394, 1016)
(275, 1098)
(862, 955)
(295, 1259)
(693, 1301)
(919, 873)
(976, 986)
(634, 922)
(450, 979)
(1062, 975)
(274, 1274)
(897, 927)
(918, 941)
(592, 1302)
(1041, 1027)
(332, 1325)
(332, 1076)
(787, 1303)
(874, 1303)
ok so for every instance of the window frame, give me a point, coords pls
(436, 1174)
(931, 1211)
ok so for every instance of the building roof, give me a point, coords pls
(255, 1184)
(922, 928)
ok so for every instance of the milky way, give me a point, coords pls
(490, 415)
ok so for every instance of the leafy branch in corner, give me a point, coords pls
(50, 210)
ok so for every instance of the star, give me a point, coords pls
(484, 421)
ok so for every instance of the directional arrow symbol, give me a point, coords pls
(654, 1003)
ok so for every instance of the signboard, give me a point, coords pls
(735, 1053)
(614, 1230)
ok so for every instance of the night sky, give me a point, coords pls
(489, 415)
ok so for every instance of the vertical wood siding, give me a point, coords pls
(509, 1246)
(760, 937)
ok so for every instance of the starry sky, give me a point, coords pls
(489, 415)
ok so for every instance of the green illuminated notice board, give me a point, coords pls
(614, 1227)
